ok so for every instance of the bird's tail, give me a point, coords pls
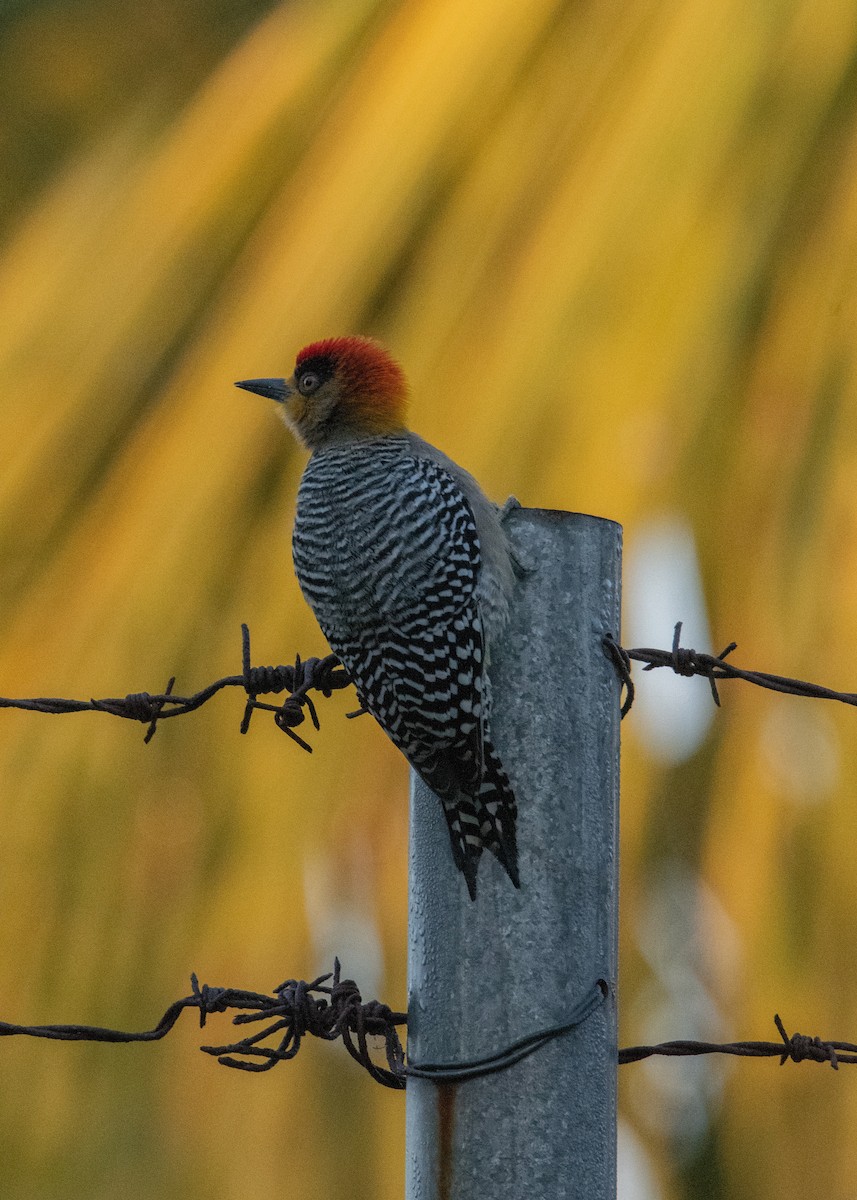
(484, 821)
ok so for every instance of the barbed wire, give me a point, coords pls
(336, 1010)
(295, 1008)
(797, 1047)
(324, 675)
(712, 667)
(327, 675)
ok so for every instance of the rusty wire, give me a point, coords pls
(336, 1010)
(797, 1047)
(712, 667)
(295, 1008)
(324, 675)
(489, 1064)
(327, 675)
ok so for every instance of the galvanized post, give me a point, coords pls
(483, 975)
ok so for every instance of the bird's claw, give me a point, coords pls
(520, 566)
(509, 507)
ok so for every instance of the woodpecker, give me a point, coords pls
(410, 573)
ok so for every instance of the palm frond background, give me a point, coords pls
(614, 246)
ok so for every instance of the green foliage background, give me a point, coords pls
(614, 246)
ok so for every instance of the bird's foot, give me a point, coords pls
(520, 565)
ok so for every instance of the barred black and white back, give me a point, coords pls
(388, 554)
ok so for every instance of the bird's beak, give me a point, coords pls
(274, 389)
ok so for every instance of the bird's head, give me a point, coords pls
(341, 389)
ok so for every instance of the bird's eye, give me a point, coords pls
(308, 382)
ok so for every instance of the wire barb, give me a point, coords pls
(324, 675)
(687, 662)
(795, 1048)
(327, 1011)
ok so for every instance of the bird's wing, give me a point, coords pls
(418, 660)
(426, 652)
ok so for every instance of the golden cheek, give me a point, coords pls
(295, 408)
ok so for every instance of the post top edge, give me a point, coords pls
(557, 515)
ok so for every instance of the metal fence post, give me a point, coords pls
(482, 975)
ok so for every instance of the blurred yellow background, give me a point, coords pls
(614, 246)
